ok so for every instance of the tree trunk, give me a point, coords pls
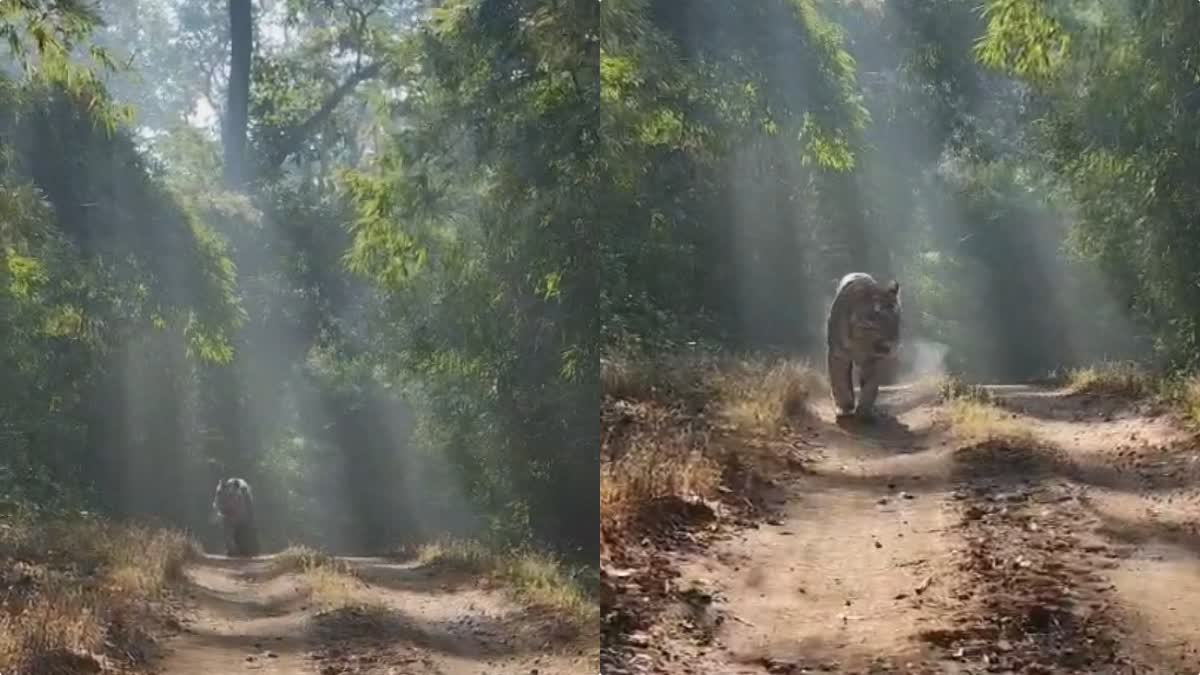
(237, 111)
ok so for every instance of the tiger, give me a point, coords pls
(863, 333)
(233, 506)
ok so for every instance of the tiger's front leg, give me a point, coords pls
(231, 540)
(247, 538)
(871, 373)
(841, 382)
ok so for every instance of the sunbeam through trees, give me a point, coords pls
(308, 308)
(1023, 169)
(339, 251)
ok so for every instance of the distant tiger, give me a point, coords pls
(863, 333)
(233, 506)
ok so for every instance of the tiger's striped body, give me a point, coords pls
(863, 334)
(233, 505)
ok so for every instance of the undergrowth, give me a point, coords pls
(660, 417)
(748, 392)
(79, 591)
(1116, 378)
(951, 388)
(972, 413)
(1180, 391)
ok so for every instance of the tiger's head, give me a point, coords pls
(230, 501)
(883, 314)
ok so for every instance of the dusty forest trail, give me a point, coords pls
(902, 548)
(245, 617)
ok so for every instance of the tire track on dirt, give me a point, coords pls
(840, 579)
(404, 618)
(903, 550)
(1032, 599)
(1139, 473)
(237, 624)
(1072, 568)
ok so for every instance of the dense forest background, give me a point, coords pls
(1023, 167)
(367, 253)
(334, 247)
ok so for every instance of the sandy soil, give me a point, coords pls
(421, 620)
(901, 550)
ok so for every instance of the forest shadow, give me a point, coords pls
(1059, 405)
(881, 485)
(884, 433)
(512, 633)
(1001, 464)
(233, 603)
(248, 644)
(1131, 532)
(242, 566)
(903, 398)
(429, 578)
(1096, 474)
(815, 654)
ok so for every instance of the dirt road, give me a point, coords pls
(904, 550)
(415, 620)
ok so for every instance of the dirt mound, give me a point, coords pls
(1003, 460)
(364, 640)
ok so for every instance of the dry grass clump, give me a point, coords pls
(973, 415)
(298, 558)
(1179, 391)
(124, 558)
(951, 388)
(138, 560)
(761, 394)
(76, 592)
(753, 392)
(659, 418)
(57, 624)
(331, 583)
(666, 379)
(661, 456)
(659, 415)
(1183, 394)
(329, 588)
(1189, 397)
(976, 422)
(533, 577)
(1118, 378)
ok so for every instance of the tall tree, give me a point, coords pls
(237, 108)
(478, 224)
